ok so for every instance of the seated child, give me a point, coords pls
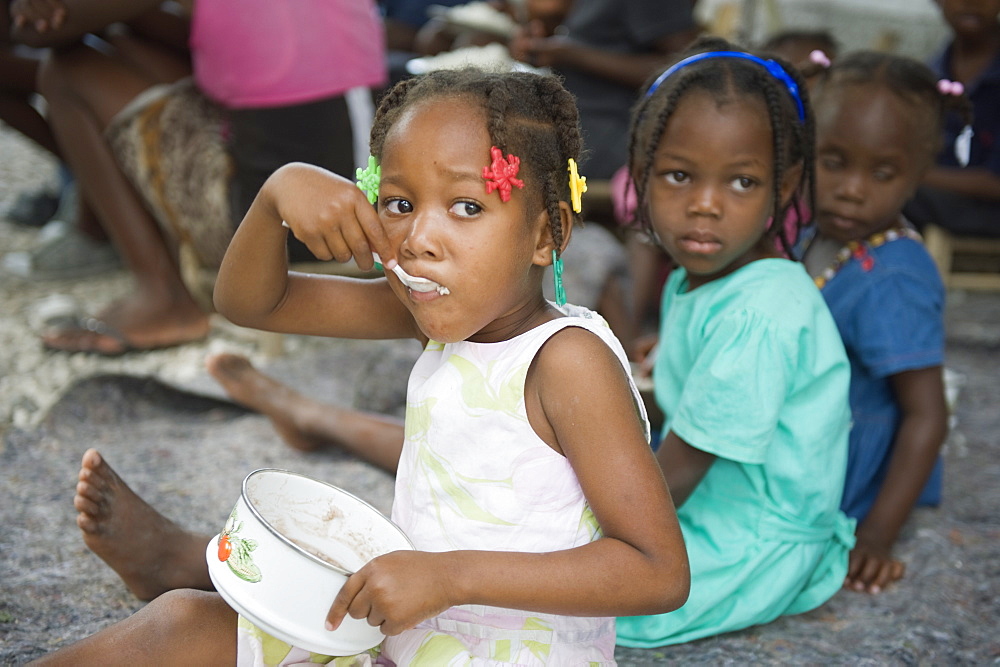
(750, 374)
(961, 190)
(522, 408)
(879, 120)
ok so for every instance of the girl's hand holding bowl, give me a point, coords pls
(286, 550)
(395, 591)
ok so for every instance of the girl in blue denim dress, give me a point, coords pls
(878, 120)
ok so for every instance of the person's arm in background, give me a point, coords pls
(155, 42)
(549, 13)
(399, 36)
(976, 182)
(168, 24)
(922, 429)
(535, 44)
(627, 69)
(54, 23)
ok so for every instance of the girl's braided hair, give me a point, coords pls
(793, 139)
(528, 115)
(910, 80)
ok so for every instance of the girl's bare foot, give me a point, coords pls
(288, 410)
(149, 552)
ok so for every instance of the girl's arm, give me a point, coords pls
(922, 429)
(683, 466)
(580, 393)
(334, 219)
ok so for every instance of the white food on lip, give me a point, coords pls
(413, 282)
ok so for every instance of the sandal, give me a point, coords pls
(32, 209)
(95, 336)
(89, 335)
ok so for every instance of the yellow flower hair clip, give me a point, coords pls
(577, 186)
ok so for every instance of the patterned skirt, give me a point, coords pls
(169, 141)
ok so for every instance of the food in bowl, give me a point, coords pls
(287, 548)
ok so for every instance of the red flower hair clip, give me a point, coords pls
(500, 174)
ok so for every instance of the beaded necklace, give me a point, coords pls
(859, 250)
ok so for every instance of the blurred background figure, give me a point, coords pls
(172, 137)
(809, 50)
(403, 21)
(19, 109)
(961, 193)
(605, 50)
(795, 46)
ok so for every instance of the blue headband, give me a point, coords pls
(772, 67)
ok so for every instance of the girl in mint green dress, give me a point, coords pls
(751, 373)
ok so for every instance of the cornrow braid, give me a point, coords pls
(778, 142)
(793, 138)
(551, 194)
(386, 114)
(642, 162)
(802, 137)
(564, 114)
(528, 115)
(808, 181)
(497, 102)
(565, 118)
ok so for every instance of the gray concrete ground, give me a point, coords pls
(158, 419)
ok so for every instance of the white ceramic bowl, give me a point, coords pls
(286, 550)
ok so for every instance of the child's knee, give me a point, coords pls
(193, 612)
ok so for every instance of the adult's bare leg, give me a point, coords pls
(85, 88)
(305, 423)
(179, 628)
(151, 553)
(18, 74)
(18, 82)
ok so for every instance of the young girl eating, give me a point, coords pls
(525, 480)
(879, 123)
(751, 375)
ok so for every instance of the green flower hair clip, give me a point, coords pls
(368, 179)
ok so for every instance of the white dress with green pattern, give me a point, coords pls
(474, 475)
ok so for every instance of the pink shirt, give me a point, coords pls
(266, 53)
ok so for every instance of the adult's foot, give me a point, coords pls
(133, 324)
(291, 413)
(149, 552)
